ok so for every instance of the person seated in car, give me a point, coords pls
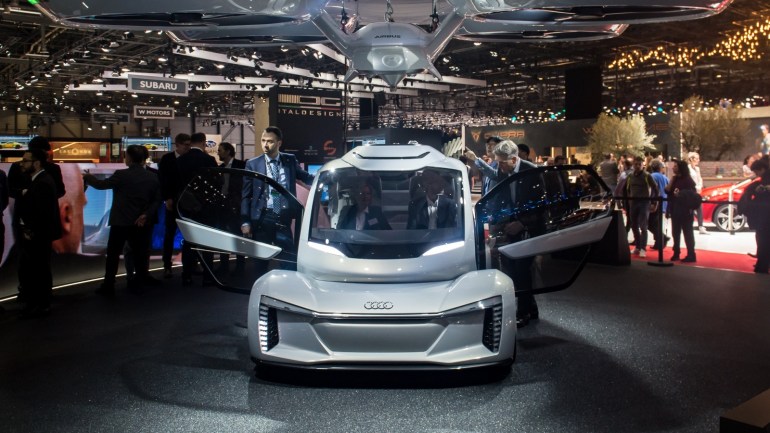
(433, 209)
(362, 215)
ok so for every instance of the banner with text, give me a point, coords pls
(157, 85)
(153, 112)
(311, 121)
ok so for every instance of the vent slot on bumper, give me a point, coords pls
(268, 327)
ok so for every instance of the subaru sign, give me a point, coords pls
(157, 85)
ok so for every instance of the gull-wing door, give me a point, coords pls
(538, 225)
(217, 201)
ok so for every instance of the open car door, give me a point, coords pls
(538, 225)
(210, 218)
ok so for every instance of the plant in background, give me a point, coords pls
(714, 132)
(619, 135)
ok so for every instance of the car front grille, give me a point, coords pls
(493, 326)
(268, 328)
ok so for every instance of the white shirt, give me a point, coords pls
(432, 212)
(361, 218)
(226, 178)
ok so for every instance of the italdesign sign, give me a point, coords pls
(156, 85)
(153, 112)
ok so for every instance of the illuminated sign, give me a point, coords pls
(156, 85)
(153, 112)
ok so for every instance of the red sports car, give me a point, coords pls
(717, 213)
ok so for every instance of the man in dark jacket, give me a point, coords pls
(189, 165)
(433, 209)
(38, 225)
(232, 185)
(262, 214)
(170, 188)
(135, 202)
(755, 203)
(18, 181)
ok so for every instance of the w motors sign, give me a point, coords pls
(153, 113)
(157, 85)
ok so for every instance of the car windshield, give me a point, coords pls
(387, 214)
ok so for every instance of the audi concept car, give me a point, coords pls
(389, 288)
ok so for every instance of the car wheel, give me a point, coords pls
(721, 218)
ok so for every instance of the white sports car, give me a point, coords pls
(414, 281)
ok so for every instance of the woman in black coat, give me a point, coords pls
(681, 215)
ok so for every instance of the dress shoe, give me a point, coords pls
(674, 258)
(167, 273)
(752, 255)
(760, 271)
(688, 259)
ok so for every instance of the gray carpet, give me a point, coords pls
(631, 349)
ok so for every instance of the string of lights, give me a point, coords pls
(749, 43)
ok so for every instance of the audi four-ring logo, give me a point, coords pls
(378, 305)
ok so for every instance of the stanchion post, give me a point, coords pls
(661, 238)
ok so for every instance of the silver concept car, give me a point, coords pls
(391, 287)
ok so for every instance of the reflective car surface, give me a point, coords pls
(718, 213)
(401, 285)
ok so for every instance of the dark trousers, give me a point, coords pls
(138, 239)
(682, 225)
(653, 224)
(35, 271)
(168, 237)
(763, 248)
(190, 260)
(520, 271)
(274, 232)
(231, 225)
(699, 215)
(640, 214)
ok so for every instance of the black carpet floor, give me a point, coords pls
(626, 349)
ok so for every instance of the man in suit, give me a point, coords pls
(362, 215)
(18, 181)
(432, 209)
(135, 201)
(508, 163)
(170, 188)
(38, 225)
(189, 165)
(263, 213)
(232, 186)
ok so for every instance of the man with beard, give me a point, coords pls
(263, 214)
(38, 225)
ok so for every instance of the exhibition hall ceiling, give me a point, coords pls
(56, 70)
